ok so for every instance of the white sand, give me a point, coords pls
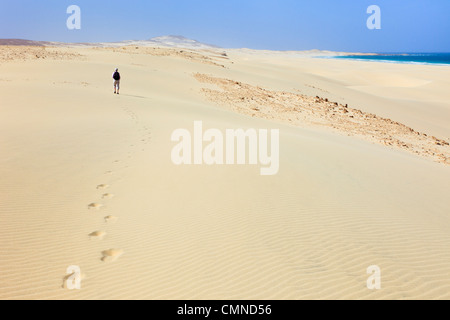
(158, 231)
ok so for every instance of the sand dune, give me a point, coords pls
(164, 41)
(87, 178)
(302, 110)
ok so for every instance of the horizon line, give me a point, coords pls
(219, 47)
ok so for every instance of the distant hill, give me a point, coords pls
(21, 42)
(180, 41)
(164, 41)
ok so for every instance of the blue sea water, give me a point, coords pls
(411, 58)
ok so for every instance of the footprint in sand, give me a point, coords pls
(111, 255)
(95, 206)
(111, 219)
(102, 186)
(108, 196)
(98, 234)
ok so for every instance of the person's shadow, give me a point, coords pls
(134, 96)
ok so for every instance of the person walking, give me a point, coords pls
(116, 77)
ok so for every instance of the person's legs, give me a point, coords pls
(118, 86)
(114, 85)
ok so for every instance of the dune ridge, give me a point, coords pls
(302, 110)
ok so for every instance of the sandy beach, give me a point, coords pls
(87, 178)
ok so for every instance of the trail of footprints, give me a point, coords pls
(108, 255)
(112, 254)
(143, 128)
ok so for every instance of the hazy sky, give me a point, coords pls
(407, 25)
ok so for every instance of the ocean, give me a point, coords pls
(410, 58)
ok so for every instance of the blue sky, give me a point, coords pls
(407, 25)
